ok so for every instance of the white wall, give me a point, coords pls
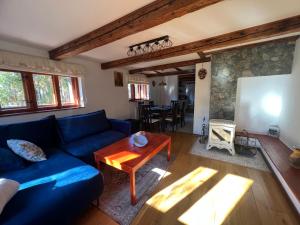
(99, 88)
(171, 89)
(202, 98)
(290, 121)
(162, 95)
(271, 100)
(259, 102)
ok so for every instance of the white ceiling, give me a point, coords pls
(51, 23)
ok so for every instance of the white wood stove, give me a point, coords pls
(221, 135)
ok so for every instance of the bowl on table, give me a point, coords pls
(140, 140)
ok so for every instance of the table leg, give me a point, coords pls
(132, 188)
(169, 150)
(98, 165)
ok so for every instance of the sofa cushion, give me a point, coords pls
(84, 148)
(75, 127)
(52, 191)
(41, 132)
(10, 161)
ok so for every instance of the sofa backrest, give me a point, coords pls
(41, 132)
(72, 128)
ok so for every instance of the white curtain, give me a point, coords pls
(34, 64)
(137, 79)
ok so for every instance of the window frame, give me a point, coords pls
(30, 95)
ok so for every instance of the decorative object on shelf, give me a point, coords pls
(153, 83)
(274, 131)
(118, 79)
(140, 140)
(203, 136)
(202, 73)
(150, 46)
(221, 135)
(295, 157)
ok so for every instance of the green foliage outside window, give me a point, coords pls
(66, 91)
(44, 90)
(11, 90)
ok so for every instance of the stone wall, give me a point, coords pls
(262, 60)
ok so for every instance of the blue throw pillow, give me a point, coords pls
(10, 161)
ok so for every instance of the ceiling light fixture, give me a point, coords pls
(149, 46)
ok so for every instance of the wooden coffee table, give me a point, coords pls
(125, 156)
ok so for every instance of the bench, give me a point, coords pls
(277, 154)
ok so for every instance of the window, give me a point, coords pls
(27, 92)
(44, 90)
(12, 93)
(138, 91)
(66, 91)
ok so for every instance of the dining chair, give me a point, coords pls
(173, 118)
(182, 114)
(174, 102)
(141, 115)
(150, 120)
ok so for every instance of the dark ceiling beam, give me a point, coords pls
(187, 78)
(201, 54)
(178, 69)
(243, 36)
(153, 14)
(170, 65)
(172, 73)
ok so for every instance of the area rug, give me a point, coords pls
(115, 200)
(256, 162)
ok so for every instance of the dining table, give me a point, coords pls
(162, 111)
(160, 108)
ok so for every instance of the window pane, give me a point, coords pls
(11, 90)
(66, 90)
(44, 90)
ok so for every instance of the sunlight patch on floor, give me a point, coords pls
(162, 173)
(174, 193)
(218, 202)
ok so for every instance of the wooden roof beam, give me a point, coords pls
(172, 73)
(170, 65)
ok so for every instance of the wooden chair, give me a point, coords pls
(150, 121)
(182, 114)
(174, 102)
(141, 115)
(151, 103)
(173, 119)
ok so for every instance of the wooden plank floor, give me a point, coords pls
(263, 203)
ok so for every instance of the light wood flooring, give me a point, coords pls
(264, 203)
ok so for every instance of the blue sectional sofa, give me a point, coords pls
(83, 134)
(55, 191)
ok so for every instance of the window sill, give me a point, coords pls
(28, 111)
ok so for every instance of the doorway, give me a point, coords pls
(186, 94)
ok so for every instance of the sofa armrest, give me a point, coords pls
(121, 126)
